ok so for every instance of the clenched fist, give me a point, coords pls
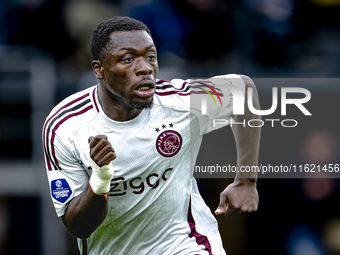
(101, 155)
(101, 150)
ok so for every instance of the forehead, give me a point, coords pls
(131, 39)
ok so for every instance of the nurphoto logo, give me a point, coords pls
(239, 101)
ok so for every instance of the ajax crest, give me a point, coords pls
(169, 143)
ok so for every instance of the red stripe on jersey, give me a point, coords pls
(178, 91)
(94, 99)
(162, 81)
(183, 85)
(200, 239)
(165, 81)
(166, 93)
(58, 125)
(68, 104)
(182, 94)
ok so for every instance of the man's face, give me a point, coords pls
(130, 68)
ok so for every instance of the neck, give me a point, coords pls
(114, 106)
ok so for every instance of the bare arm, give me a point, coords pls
(241, 196)
(87, 211)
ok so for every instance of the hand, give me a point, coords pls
(101, 155)
(240, 197)
(101, 150)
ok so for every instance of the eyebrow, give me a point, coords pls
(134, 49)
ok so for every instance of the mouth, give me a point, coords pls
(145, 85)
(145, 89)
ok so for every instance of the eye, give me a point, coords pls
(128, 60)
(151, 58)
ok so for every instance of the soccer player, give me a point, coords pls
(119, 155)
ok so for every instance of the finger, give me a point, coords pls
(100, 156)
(107, 150)
(109, 157)
(244, 209)
(102, 147)
(103, 153)
(231, 211)
(90, 139)
(222, 207)
(249, 212)
(98, 149)
(252, 209)
(97, 139)
(105, 159)
(219, 210)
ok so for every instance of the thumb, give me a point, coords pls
(222, 207)
(90, 139)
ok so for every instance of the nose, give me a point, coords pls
(143, 68)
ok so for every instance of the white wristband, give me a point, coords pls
(101, 177)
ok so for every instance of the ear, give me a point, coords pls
(98, 68)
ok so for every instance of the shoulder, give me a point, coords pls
(239, 79)
(174, 93)
(71, 113)
(247, 81)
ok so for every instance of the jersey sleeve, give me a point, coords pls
(66, 176)
(211, 100)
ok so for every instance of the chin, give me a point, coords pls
(141, 105)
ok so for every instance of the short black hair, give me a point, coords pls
(101, 42)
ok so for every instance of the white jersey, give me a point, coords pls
(154, 204)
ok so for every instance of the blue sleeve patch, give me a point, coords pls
(60, 190)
